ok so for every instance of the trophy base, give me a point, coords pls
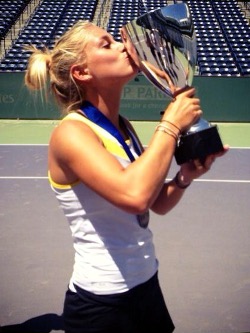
(198, 145)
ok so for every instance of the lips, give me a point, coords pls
(131, 60)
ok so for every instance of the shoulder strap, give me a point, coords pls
(95, 115)
(109, 142)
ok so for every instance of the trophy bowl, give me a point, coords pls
(162, 43)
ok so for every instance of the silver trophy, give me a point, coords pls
(162, 43)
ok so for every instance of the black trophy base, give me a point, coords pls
(198, 145)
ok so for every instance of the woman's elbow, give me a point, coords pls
(138, 204)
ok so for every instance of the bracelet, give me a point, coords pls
(161, 129)
(168, 131)
(178, 183)
(167, 121)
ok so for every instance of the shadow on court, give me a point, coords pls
(41, 324)
(202, 245)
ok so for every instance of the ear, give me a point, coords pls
(80, 73)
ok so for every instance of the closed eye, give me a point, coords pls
(106, 41)
(106, 46)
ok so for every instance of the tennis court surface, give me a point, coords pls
(203, 245)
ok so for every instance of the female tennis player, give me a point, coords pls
(107, 183)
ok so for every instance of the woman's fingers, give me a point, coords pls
(209, 160)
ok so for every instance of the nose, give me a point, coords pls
(120, 46)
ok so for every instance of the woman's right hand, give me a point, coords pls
(184, 111)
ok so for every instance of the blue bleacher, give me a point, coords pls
(10, 10)
(236, 30)
(222, 38)
(223, 33)
(38, 32)
(121, 13)
(75, 11)
(124, 11)
(48, 22)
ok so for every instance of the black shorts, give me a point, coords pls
(140, 310)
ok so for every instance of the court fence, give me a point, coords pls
(223, 99)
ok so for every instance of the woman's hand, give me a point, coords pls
(184, 111)
(195, 169)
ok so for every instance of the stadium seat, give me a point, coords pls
(223, 34)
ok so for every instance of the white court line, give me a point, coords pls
(46, 178)
(195, 180)
(46, 144)
(24, 144)
(221, 181)
(18, 177)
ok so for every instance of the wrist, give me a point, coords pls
(169, 128)
(180, 181)
(173, 126)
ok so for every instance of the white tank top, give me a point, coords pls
(112, 252)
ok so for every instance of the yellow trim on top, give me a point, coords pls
(109, 143)
(61, 186)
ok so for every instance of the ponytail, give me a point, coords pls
(52, 68)
(36, 76)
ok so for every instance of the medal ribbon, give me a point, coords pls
(101, 120)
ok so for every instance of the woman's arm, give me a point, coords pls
(173, 191)
(76, 153)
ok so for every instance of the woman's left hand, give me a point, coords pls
(194, 169)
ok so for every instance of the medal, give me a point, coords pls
(143, 219)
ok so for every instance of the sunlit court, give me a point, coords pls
(202, 245)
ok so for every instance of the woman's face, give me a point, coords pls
(107, 60)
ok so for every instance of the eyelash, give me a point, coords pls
(106, 46)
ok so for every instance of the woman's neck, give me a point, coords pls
(108, 104)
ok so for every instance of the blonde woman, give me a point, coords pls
(107, 184)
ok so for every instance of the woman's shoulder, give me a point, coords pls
(74, 127)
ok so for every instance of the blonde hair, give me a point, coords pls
(51, 69)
